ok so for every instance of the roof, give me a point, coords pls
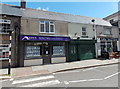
(112, 15)
(34, 13)
(10, 10)
(40, 14)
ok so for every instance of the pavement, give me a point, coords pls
(53, 68)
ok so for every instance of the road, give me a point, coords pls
(101, 76)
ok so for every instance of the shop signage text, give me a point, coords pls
(44, 38)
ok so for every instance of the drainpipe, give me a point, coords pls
(95, 31)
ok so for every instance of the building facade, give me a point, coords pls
(44, 37)
(50, 37)
(114, 20)
(9, 21)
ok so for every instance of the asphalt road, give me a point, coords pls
(101, 76)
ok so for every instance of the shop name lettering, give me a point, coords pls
(42, 38)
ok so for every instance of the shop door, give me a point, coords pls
(46, 54)
(73, 53)
(86, 52)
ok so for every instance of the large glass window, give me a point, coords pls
(47, 27)
(58, 51)
(32, 50)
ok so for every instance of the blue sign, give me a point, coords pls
(109, 39)
(43, 38)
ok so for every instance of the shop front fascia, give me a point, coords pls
(37, 50)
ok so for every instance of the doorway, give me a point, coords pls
(73, 52)
(46, 53)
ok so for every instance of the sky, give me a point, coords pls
(91, 9)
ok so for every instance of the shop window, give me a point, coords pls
(4, 52)
(109, 47)
(58, 51)
(73, 50)
(32, 51)
(106, 46)
(103, 46)
(47, 27)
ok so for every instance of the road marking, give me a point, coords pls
(90, 69)
(11, 79)
(65, 82)
(66, 72)
(48, 83)
(33, 79)
(84, 80)
(77, 81)
(88, 80)
(94, 79)
(111, 75)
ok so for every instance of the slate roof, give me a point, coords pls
(34, 13)
(40, 14)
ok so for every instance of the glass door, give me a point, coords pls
(46, 53)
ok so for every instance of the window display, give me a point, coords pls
(58, 51)
(32, 51)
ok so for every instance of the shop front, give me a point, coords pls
(44, 49)
(107, 44)
(81, 50)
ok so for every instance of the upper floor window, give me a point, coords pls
(47, 27)
(84, 31)
(4, 25)
(107, 31)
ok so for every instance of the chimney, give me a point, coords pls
(23, 3)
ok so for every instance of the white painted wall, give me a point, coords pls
(77, 28)
(58, 59)
(118, 45)
(33, 62)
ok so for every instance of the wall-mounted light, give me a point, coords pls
(75, 34)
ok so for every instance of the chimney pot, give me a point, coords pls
(23, 3)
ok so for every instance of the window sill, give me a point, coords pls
(4, 33)
(2, 59)
(84, 36)
(48, 32)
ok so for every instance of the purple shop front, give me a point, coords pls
(43, 38)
